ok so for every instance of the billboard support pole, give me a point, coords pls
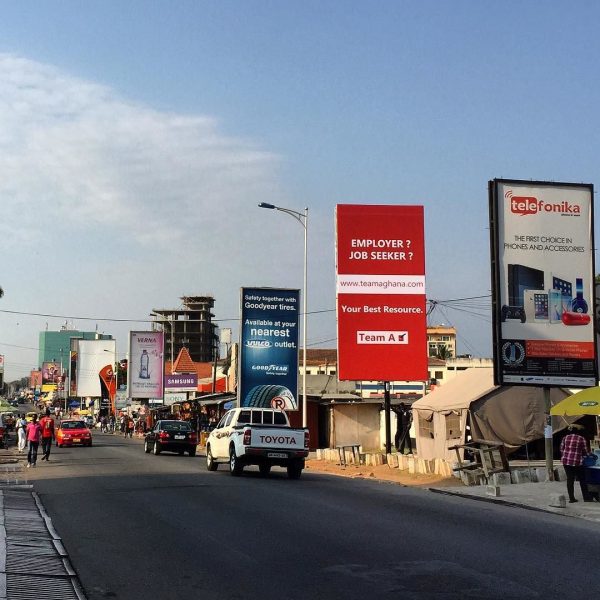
(548, 436)
(388, 426)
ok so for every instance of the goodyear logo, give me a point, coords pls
(588, 403)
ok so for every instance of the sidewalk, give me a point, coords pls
(33, 560)
(533, 496)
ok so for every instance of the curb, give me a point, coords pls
(508, 503)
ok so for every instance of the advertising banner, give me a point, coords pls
(269, 348)
(91, 357)
(73, 367)
(171, 398)
(181, 382)
(50, 373)
(543, 283)
(146, 364)
(35, 380)
(381, 316)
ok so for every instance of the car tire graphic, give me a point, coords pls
(269, 396)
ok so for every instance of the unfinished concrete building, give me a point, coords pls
(189, 326)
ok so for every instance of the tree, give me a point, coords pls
(444, 353)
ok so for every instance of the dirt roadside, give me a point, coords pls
(381, 472)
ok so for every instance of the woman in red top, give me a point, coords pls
(574, 448)
(34, 433)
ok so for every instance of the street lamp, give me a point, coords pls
(302, 218)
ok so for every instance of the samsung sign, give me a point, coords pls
(181, 381)
(269, 348)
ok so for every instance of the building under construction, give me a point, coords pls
(189, 326)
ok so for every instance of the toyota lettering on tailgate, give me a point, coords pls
(278, 439)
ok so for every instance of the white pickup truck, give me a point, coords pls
(257, 436)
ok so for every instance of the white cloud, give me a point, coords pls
(80, 153)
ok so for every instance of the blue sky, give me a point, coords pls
(136, 139)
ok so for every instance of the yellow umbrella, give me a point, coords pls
(586, 402)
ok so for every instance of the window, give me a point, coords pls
(426, 426)
(308, 371)
(244, 417)
(452, 426)
(267, 417)
(256, 417)
(439, 375)
(221, 422)
(228, 420)
(279, 418)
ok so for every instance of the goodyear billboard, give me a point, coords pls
(269, 348)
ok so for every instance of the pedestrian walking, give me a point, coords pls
(21, 432)
(111, 423)
(574, 448)
(130, 427)
(34, 433)
(47, 425)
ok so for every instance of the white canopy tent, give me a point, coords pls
(512, 415)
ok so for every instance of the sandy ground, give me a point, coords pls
(383, 473)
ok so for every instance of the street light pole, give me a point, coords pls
(302, 218)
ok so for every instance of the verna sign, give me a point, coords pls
(382, 329)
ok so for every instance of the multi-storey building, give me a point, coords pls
(189, 326)
(54, 346)
(441, 341)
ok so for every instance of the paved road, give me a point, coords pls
(138, 526)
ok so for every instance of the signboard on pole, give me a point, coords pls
(146, 364)
(269, 348)
(542, 245)
(91, 357)
(181, 382)
(381, 315)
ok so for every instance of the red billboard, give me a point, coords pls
(381, 315)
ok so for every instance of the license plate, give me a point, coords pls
(277, 455)
(180, 437)
(76, 440)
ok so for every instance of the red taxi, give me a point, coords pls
(73, 432)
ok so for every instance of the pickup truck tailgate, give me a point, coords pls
(279, 438)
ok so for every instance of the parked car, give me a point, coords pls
(257, 436)
(73, 432)
(172, 436)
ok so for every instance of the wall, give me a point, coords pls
(356, 424)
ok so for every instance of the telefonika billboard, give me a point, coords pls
(269, 348)
(381, 316)
(543, 283)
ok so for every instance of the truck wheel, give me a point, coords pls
(211, 465)
(156, 448)
(264, 469)
(235, 468)
(294, 470)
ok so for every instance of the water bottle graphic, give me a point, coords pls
(144, 360)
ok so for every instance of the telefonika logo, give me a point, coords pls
(529, 205)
